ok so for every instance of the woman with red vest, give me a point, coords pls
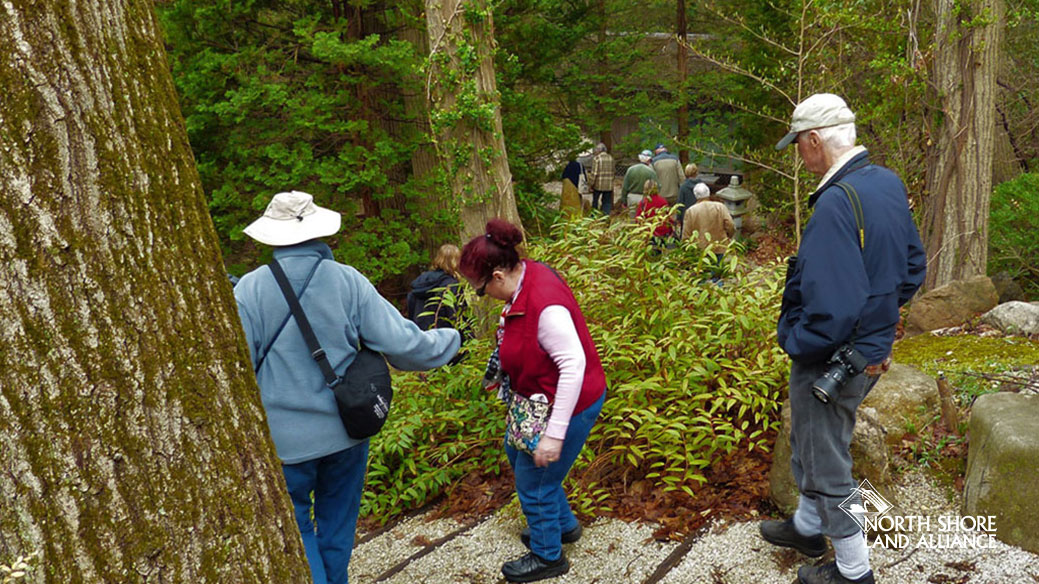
(544, 349)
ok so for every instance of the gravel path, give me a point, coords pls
(613, 551)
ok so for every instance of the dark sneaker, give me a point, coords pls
(568, 536)
(783, 533)
(829, 574)
(531, 568)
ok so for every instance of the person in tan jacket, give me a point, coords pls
(708, 219)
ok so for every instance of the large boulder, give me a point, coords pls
(951, 304)
(868, 452)
(904, 395)
(1015, 318)
(1007, 288)
(1002, 462)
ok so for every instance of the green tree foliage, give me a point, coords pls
(296, 96)
(775, 54)
(1014, 231)
(692, 368)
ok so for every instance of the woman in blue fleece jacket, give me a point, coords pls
(342, 306)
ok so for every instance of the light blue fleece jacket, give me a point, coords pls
(341, 304)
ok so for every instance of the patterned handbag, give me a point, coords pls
(526, 420)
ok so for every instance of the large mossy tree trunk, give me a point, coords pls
(132, 438)
(466, 111)
(959, 181)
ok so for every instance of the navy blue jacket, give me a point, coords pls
(835, 285)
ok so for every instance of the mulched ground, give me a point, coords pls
(736, 488)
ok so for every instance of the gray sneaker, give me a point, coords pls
(829, 574)
(783, 533)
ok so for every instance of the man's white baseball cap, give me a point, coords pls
(821, 110)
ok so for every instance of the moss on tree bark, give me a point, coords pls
(134, 445)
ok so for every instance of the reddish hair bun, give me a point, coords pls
(496, 248)
(503, 233)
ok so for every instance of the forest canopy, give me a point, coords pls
(330, 97)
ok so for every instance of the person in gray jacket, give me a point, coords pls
(343, 307)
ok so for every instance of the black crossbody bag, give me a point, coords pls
(364, 392)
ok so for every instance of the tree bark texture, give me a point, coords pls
(683, 74)
(466, 111)
(133, 444)
(959, 182)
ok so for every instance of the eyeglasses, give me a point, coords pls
(483, 289)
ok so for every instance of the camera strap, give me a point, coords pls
(856, 207)
(267, 348)
(860, 224)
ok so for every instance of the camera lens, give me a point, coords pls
(827, 387)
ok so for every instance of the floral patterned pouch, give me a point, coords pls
(526, 420)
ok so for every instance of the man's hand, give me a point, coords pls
(548, 451)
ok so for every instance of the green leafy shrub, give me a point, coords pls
(1014, 231)
(283, 96)
(444, 425)
(693, 369)
(693, 372)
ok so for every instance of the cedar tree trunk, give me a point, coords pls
(466, 111)
(959, 183)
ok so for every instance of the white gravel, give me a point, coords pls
(613, 551)
(372, 558)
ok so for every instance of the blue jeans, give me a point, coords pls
(820, 445)
(336, 481)
(541, 492)
(607, 201)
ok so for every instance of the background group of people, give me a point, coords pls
(657, 181)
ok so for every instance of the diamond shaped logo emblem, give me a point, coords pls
(865, 502)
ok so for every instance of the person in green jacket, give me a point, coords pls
(634, 178)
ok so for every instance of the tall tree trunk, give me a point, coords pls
(606, 128)
(959, 183)
(683, 73)
(425, 166)
(466, 111)
(134, 446)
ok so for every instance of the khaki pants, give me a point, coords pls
(633, 201)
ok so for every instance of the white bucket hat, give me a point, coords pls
(293, 218)
(821, 110)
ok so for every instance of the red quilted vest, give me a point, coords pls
(531, 370)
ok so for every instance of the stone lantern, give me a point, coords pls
(735, 198)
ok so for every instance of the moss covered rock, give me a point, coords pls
(903, 396)
(1002, 463)
(933, 353)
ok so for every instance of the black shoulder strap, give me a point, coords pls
(304, 325)
(281, 327)
(856, 206)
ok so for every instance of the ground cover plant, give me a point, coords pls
(973, 362)
(693, 370)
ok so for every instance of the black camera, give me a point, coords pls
(845, 363)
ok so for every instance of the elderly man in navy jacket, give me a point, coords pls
(860, 259)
